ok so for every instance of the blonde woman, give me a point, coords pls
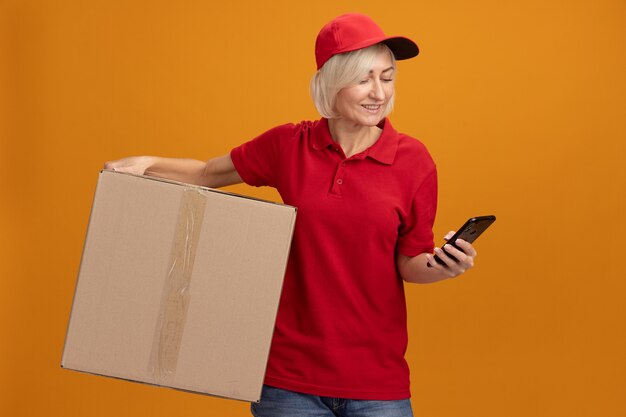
(366, 197)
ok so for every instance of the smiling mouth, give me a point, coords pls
(371, 107)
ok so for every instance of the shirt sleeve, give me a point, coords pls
(416, 230)
(258, 160)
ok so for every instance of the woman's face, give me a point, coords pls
(365, 102)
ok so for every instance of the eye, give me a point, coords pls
(387, 80)
(364, 81)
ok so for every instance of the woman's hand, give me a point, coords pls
(137, 165)
(465, 258)
(423, 269)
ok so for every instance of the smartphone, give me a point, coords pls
(469, 232)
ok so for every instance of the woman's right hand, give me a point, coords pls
(137, 165)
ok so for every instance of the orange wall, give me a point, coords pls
(522, 105)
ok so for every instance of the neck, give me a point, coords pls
(352, 137)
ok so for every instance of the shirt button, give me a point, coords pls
(343, 164)
(339, 181)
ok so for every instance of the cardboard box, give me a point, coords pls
(178, 286)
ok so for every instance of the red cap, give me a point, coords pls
(353, 31)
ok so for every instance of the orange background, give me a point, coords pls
(522, 105)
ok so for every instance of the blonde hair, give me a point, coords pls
(342, 70)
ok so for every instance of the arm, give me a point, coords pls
(216, 172)
(415, 269)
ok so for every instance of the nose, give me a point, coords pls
(377, 92)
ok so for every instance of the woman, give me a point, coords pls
(366, 198)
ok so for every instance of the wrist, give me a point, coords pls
(149, 165)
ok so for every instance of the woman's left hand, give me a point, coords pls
(465, 257)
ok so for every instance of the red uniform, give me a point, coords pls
(341, 325)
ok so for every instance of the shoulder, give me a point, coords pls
(295, 127)
(408, 149)
(413, 151)
(289, 130)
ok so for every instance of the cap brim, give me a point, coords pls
(402, 48)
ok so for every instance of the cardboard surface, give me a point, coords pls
(178, 286)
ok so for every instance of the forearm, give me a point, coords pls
(217, 172)
(189, 171)
(415, 269)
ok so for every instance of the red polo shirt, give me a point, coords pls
(341, 325)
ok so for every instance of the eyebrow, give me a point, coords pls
(385, 70)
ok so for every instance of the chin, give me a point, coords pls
(369, 120)
(372, 121)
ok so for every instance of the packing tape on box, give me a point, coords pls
(176, 293)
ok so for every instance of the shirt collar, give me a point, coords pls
(384, 150)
